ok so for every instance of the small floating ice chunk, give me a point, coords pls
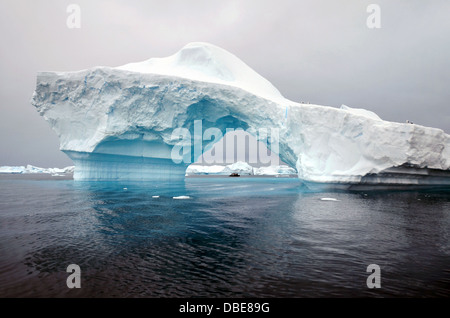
(155, 196)
(328, 199)
(125, 188)
(182, 197)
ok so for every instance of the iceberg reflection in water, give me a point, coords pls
(256, 237)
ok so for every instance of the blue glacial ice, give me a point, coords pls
(116, 123)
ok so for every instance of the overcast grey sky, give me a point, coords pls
(316, 51)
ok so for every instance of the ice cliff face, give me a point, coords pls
(117, 123)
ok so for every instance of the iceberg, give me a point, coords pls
(33, 169)
(116, 123)
(182, 197)
(12, 169)
(242, 168)
(205, 170)
(274, 171)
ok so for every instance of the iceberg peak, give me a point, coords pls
(206, 62)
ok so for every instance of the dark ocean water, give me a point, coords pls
(234, 237)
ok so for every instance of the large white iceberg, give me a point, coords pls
(116, 123)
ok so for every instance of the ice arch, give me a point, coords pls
(139, 152)
(117, 123)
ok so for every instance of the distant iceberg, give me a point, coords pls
(205, 170)
(33, 169)
(117, 123)
(274, 171)
(241, 168)
(12, 169)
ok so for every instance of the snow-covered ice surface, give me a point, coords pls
(116, 123)
(208, 63)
